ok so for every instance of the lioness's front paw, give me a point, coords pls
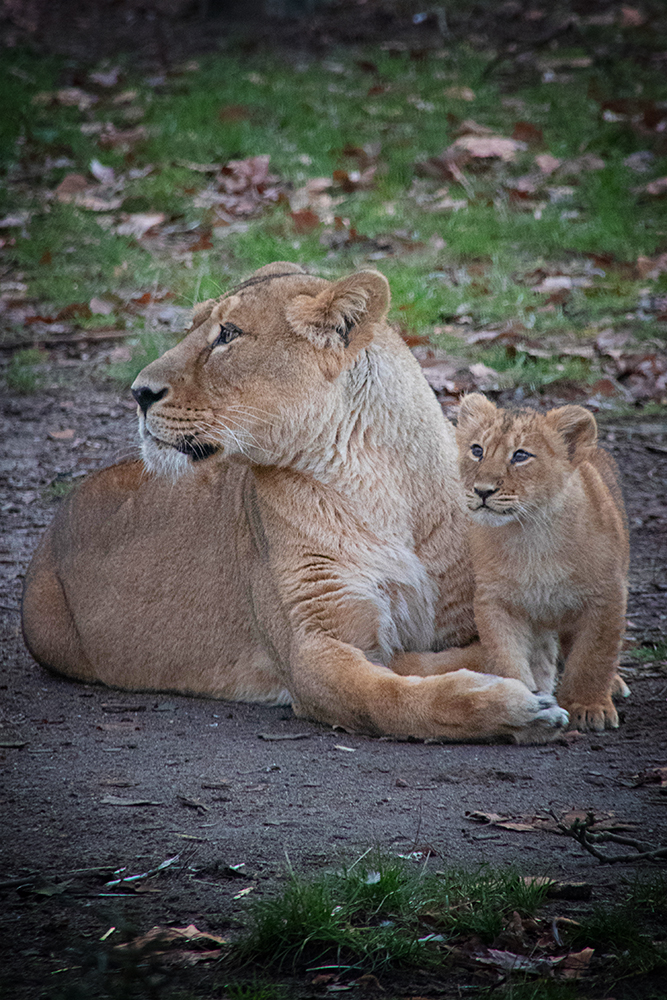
(544, 719)
(596, 717)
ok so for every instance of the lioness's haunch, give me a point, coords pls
(296, 526)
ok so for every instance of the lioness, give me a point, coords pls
(550, 551)
(297, 523)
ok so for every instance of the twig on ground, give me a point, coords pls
(580, 830)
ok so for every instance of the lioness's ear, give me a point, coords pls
(202, 313)
(279, 267)
(341, 315)
(474, 407)
(576, 425)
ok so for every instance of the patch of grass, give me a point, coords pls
(634, 931)
(59, 488)
(21, 374)
(314, 117)
(151, 345)
(520, 369)
(380, 915)
(649, 654)
(544, 989)
(254, 991)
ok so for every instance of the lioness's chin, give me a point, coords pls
(173, 461)
(164, 460)
(492, 518)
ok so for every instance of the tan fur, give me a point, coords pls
(550, 552)
(296, 528)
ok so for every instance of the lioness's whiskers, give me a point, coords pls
(217, 422)
(251, 411)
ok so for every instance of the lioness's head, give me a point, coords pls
(515, 465)
(262, 371)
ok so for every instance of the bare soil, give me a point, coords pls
(226, 784)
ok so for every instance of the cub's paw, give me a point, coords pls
(596, 717)
(619, 689)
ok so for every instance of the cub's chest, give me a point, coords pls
(545, 591)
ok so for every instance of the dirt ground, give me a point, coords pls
(225, 784)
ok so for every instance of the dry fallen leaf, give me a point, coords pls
(138, 224)
(528, 133)
(234, 113)
(244, 892)
(305, 221)
(70, 185)
(632, 18)
(75, 97)
(657, 188)
(65, 435)
(101, 307)
(105, 175)
(508, 961)
(125, 97)
(492, 146)
(648, 267)
(576, 963)
(354, 180)
(547, 163)
(114, 800)
(460, 93)
(162, 937)
(94, 203)
(12, 221)
(106, 77)
(123, 139)
(282, 736)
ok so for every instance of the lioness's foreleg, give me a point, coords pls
(333, 682)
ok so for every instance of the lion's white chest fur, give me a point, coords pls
(404, 594)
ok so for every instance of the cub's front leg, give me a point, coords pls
(590, 675)
(507, 639)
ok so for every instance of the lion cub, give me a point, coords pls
(550, 552)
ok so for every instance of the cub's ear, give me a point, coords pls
(576, 425)
(342, 315)
(202, 313)
(475, 407)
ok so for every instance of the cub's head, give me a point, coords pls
(261, 372)
(516, 465)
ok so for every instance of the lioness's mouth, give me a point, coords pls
(186, 445)
(194, 449)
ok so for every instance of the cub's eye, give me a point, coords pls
(520, 456)
(476, 451)
(228, 332)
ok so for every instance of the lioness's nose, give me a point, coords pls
(483, 492)
(145, 396)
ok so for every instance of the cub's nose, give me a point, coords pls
(145, 396)
(483, 492)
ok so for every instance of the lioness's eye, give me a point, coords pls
(476, 451)
(228, 332)
(520, 456)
